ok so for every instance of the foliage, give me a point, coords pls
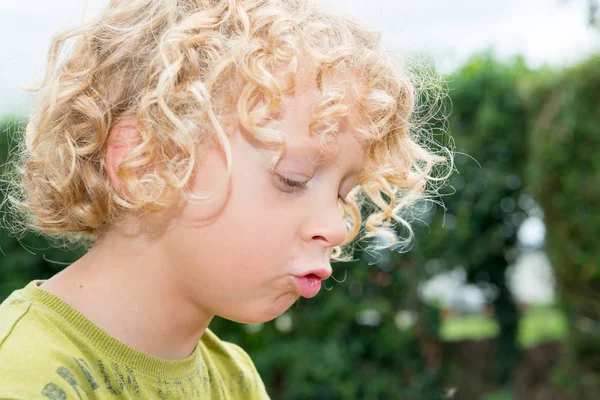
(564, 173)
(478, 228)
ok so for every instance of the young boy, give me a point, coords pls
(217, 154)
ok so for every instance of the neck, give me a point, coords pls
(130, 289)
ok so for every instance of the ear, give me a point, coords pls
(122, 138)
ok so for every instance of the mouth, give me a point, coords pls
(308, 285)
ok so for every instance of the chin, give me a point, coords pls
(259, 313)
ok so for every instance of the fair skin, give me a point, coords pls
(235, 258)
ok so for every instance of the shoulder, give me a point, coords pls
(35, 373)
(227, 353)
(225, 349)
(33, 365)
(235, 366)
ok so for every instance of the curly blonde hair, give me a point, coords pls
(178, 66)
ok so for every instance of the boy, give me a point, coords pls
(217, 154)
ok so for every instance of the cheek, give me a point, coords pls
(251, 230)
(256, 220)
(254, 226)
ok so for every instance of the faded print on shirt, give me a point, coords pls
(114, 379)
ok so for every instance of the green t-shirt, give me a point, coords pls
(48, 350)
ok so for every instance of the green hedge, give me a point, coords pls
(564, 173)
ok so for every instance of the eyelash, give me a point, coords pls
(297, 186)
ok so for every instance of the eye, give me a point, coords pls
(293, 185)
(298, 185)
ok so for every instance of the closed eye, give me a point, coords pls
(296, 186)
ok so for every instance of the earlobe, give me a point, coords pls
(122, 138)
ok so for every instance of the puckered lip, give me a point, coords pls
(322, 273)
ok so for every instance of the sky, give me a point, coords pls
(554, 32)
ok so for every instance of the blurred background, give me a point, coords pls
(499, 298)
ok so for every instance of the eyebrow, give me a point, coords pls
(316, 152)
(305, 147)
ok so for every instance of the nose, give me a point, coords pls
(327, 225)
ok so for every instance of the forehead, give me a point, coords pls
(345, 145)
(331, 99)
(301, 114)
(302, 143)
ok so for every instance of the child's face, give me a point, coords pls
(239, 262)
